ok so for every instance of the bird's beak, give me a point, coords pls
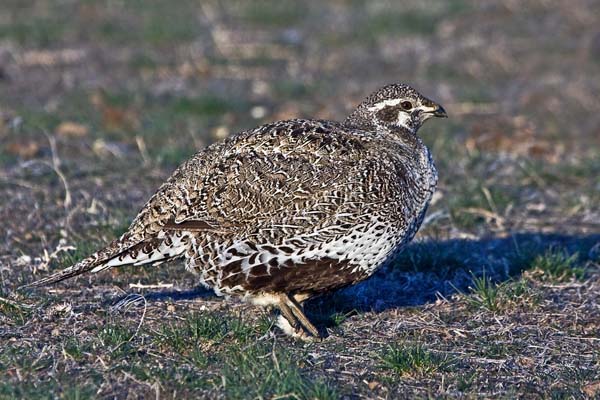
(436, 111)
(439, 112)
(433, 109)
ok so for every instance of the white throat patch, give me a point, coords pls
(404, 120)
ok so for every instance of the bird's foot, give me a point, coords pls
(299, 324)
(297, 332)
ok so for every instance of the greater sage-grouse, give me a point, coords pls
(291, 209)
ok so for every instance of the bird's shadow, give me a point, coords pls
(196, 293)
(429, 269)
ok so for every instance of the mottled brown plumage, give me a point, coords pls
(291, 209)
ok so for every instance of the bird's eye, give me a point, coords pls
(406, 105)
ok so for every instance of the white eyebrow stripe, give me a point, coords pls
(385, 103)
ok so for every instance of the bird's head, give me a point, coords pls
(394, 107)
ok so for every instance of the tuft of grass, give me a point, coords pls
(408, 359)
(17, 313)
(116, 338)
(192, 332)
(28, 361)
(46, 389)
(75, 348)
(259, 371)
(484, 293)
(112, 335)
(496, 348)
(465, 381)
(556, 265)
(339, 317)
(499, 297)
(518, 292)
(198, 331)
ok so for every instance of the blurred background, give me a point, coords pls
(100, 100)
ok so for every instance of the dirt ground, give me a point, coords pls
(498, 297)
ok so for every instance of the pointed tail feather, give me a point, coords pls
(94, 263)
(119, 253)
(81, 267)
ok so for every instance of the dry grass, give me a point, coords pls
(497, 298)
